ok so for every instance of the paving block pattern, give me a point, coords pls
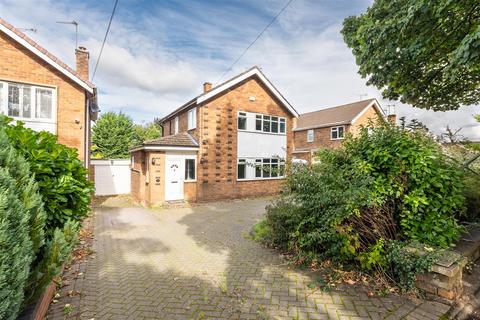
(198, 263)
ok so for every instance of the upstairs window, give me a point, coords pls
(192, 118)
(176, 125)
(270, 124)
(27, 102)
(310, 135)
(189, 169)
(337, 132)
(242, 121)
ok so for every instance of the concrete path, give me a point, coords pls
(197, 263)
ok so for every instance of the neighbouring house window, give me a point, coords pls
(310, 135)
(192, 118)
(337, 132)
(241, 169)
(242, 121)
(270, 124)
(27, 101)
(189, 169)
(176, 125)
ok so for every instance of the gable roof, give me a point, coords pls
(254, 71)
(45, 55)
(343, 114)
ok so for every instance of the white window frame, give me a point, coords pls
(310, 135)
(267, 117)
(33, 102)
(263, 162)
(176, 125)
(194, 168)
(336, 130)
(243, 115)
(192, 119)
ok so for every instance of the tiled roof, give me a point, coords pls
(183, 139)
(341, 114)
(45, 52)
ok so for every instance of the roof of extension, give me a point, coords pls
(44, 54)
(182, 140)
(254, 71)
(343, 114)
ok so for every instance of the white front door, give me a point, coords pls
(174, 178)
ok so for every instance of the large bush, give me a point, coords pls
(61, 176)
(21, 227)
(382, 186)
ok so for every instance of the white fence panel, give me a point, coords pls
(112, 177)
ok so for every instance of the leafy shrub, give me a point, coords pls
(55, 254)
(472, 196)
(21, 227)
(61, 176)
(382, 186)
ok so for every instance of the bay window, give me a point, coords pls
(27, 102)
(260, 168)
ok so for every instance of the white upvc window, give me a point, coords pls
(192, 118)
(176, 125)
(337, 133)
(190, 170)
(28, 102)
(260, 168)
(242, 121)
(310, 135)
(270, 124)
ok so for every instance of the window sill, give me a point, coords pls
(261, 132)
(337, 139)
(261, 179)
(187, 181)
(33, 120)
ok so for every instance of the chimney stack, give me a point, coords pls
(207, 86)
(82, 57)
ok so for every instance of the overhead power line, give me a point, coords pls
(255, 40)
(104, 39)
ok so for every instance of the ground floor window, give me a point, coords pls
(260, 168)
(189, 169)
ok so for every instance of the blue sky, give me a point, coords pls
(160, 52)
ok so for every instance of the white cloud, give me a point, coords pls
(157, 57)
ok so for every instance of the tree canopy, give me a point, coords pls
(421, 52)
(115, 133)
(112, 136)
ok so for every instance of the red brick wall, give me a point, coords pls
(370, 116)
(322, 139)
(18, 64)
(217, 175)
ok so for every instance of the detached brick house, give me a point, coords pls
(327, 128)
(40, 90)
(231, 141)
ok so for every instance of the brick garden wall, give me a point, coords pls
(18, 64)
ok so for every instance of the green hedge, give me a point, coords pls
(21, 227)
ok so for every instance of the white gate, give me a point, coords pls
(111, 176)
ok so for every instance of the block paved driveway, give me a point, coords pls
(197, 263)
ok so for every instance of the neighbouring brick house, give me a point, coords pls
(328, 127)
(40, 90)
(231, 141)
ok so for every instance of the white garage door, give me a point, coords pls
(111, 177)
